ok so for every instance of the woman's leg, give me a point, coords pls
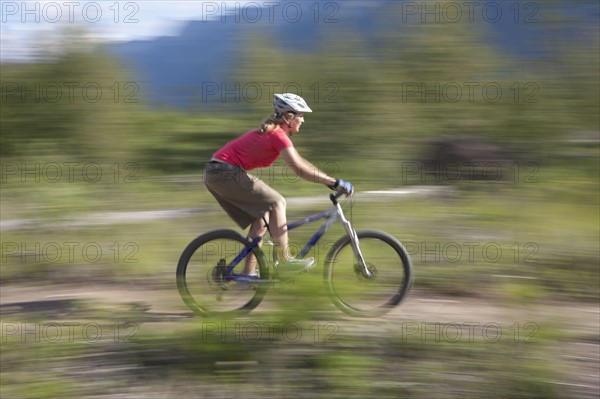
(257, 229)
(279, 231)
(278, 225)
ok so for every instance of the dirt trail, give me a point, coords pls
(420, 318)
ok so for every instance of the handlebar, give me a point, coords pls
(334, 197)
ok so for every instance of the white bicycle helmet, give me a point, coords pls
(289, 102)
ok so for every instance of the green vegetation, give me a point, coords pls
(109, 192)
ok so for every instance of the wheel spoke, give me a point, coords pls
(354, 292)
(203, 278)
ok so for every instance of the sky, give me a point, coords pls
(26, 24)
(29, 24)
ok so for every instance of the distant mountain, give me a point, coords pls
(177, 71)
(172, 67)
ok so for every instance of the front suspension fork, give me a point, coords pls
(354, 243)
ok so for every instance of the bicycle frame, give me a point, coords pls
(332, 215)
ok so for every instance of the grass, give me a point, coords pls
(461, 238)
(223, 358)
(283, 348)
(522, 246)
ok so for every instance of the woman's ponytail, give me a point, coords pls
(271, 121)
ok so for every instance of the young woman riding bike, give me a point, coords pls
(251, 202)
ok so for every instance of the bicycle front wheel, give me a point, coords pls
(203, 282)
(357, 294)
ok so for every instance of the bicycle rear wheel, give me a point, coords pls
(354, 293)
(202, 280)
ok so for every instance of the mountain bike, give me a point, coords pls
(366, 272)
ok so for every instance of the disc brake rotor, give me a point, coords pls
(360, 272)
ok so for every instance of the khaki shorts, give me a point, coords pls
(244, 197)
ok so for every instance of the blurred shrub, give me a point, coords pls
(77, 104)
